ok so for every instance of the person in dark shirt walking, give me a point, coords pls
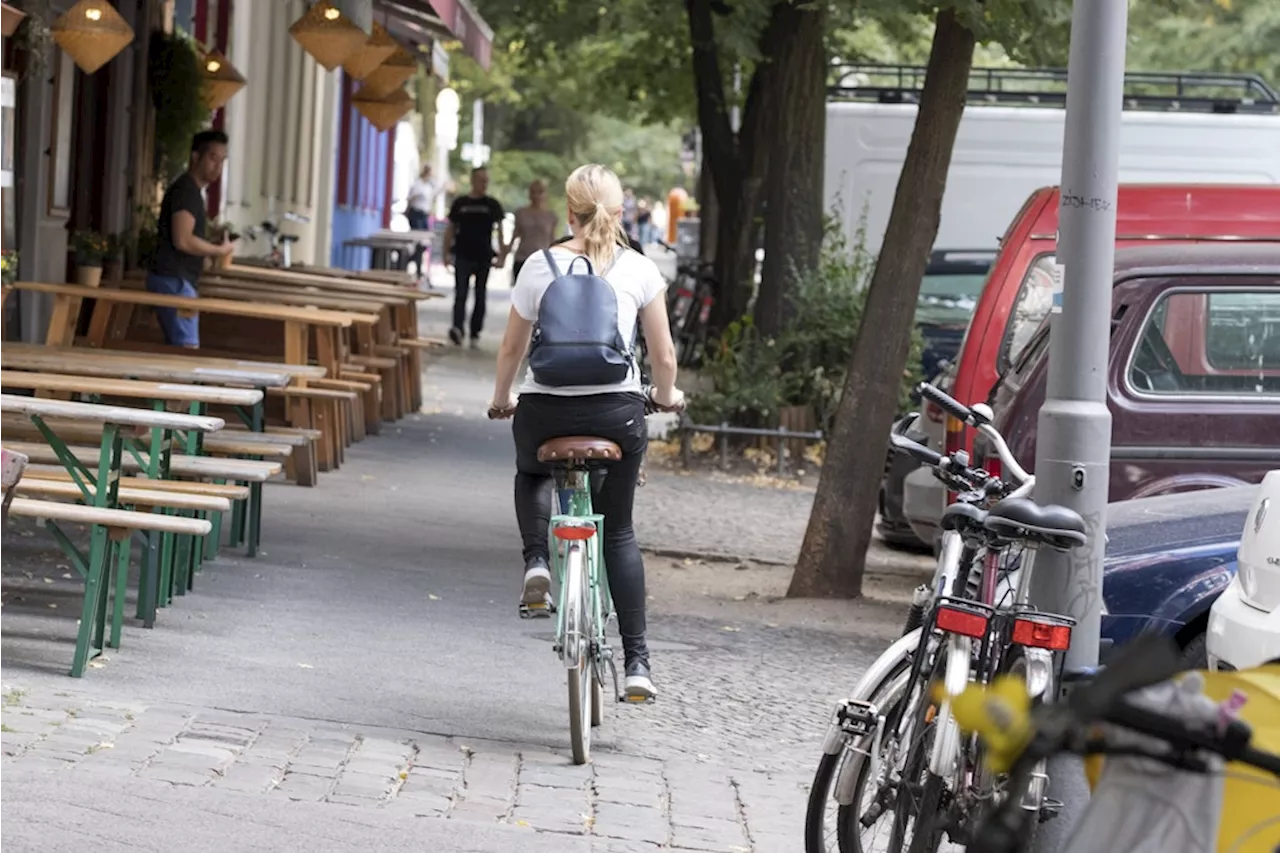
(468, 242)
(180, 244)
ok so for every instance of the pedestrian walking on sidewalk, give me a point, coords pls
(468, 245)
(535, 228)
(181, 247)
(614, 411)
(418, 206)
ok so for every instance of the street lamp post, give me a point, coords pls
(1073, 447)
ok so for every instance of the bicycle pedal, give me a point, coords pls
(536, 611)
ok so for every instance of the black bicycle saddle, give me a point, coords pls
(1049, 524)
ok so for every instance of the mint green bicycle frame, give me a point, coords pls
(574, 498)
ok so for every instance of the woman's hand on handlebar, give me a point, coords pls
(672, 401)
(502, 411)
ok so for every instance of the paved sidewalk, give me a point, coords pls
(365, 683)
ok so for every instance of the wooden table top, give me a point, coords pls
(96, 413)
(168, 391)
(122, 365)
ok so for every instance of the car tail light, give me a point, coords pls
(966, 623)
(934, 412)
(1036, 634)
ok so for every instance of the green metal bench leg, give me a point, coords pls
(99, 544)
(214, 539)
(121, 591)
(104, 593)
(166, 570)
(149, 578)
(255, 518)
(238, 513)
(181, 560)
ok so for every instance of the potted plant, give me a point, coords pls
(9, 267)
(91, 250)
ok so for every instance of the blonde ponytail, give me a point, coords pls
(594, 195)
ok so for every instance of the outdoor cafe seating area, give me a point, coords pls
(138, 443)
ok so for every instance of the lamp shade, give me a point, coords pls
(92, 33)
(393, 73)
(10, 19)
(221, 80)
(328, 35)
(382, 112)
(376, 50)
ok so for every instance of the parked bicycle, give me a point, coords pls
(690, 299)
(582, 607)
(1169, 741)
(889, 752)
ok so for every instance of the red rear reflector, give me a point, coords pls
(962, 622)
(575, 532)
(1041, 635)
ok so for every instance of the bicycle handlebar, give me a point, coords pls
(979, 417)
(947, 403)
(1052, 728)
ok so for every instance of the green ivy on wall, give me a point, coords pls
(176, 80)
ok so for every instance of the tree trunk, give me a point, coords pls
(708, 212)
(833, 555)
(737, 162)
(796, 141)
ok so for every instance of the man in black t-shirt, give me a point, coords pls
(468, 244)
(180, 244)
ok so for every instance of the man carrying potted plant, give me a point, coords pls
(181, 246)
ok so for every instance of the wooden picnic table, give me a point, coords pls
(100, 489)
(123, 365)
(325, 282)
(298, 323)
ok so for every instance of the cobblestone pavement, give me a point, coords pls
(618, 802)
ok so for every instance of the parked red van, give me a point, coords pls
(1019, 291)
(1193, 381)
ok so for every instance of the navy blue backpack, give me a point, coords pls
(576, 339)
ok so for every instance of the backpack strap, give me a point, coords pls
(551, 262)
(585, 260)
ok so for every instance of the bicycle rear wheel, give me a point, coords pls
(577, 630)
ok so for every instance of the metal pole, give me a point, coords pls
(1073, 447)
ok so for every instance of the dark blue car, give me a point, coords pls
(1168, 559)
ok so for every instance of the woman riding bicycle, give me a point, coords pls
(613, 411)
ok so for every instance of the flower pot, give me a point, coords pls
(11, 17)
(88, 276)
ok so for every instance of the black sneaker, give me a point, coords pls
(639, 686)
(455, 335)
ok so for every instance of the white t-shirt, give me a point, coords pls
(422, 194)
(635, 280)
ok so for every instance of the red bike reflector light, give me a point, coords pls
(575, 532)
(963, 622)
(1041, 635)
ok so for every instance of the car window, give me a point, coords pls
(1219, 343)
(949, 298)
(1035, 297)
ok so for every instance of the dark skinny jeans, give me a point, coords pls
(620, 419)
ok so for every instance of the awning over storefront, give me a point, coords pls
(426, 22)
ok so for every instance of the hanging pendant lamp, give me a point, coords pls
(327, 35)
(383, 112)
(376, 50)
(221, 80)
(393, 73)
(92, 33)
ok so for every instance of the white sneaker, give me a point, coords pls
(639, 686)
(537, 584)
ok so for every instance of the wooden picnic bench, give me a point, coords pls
(99, 487)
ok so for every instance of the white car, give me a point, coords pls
(1244, 624)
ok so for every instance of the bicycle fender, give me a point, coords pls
(946, 741)
(884, 665)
